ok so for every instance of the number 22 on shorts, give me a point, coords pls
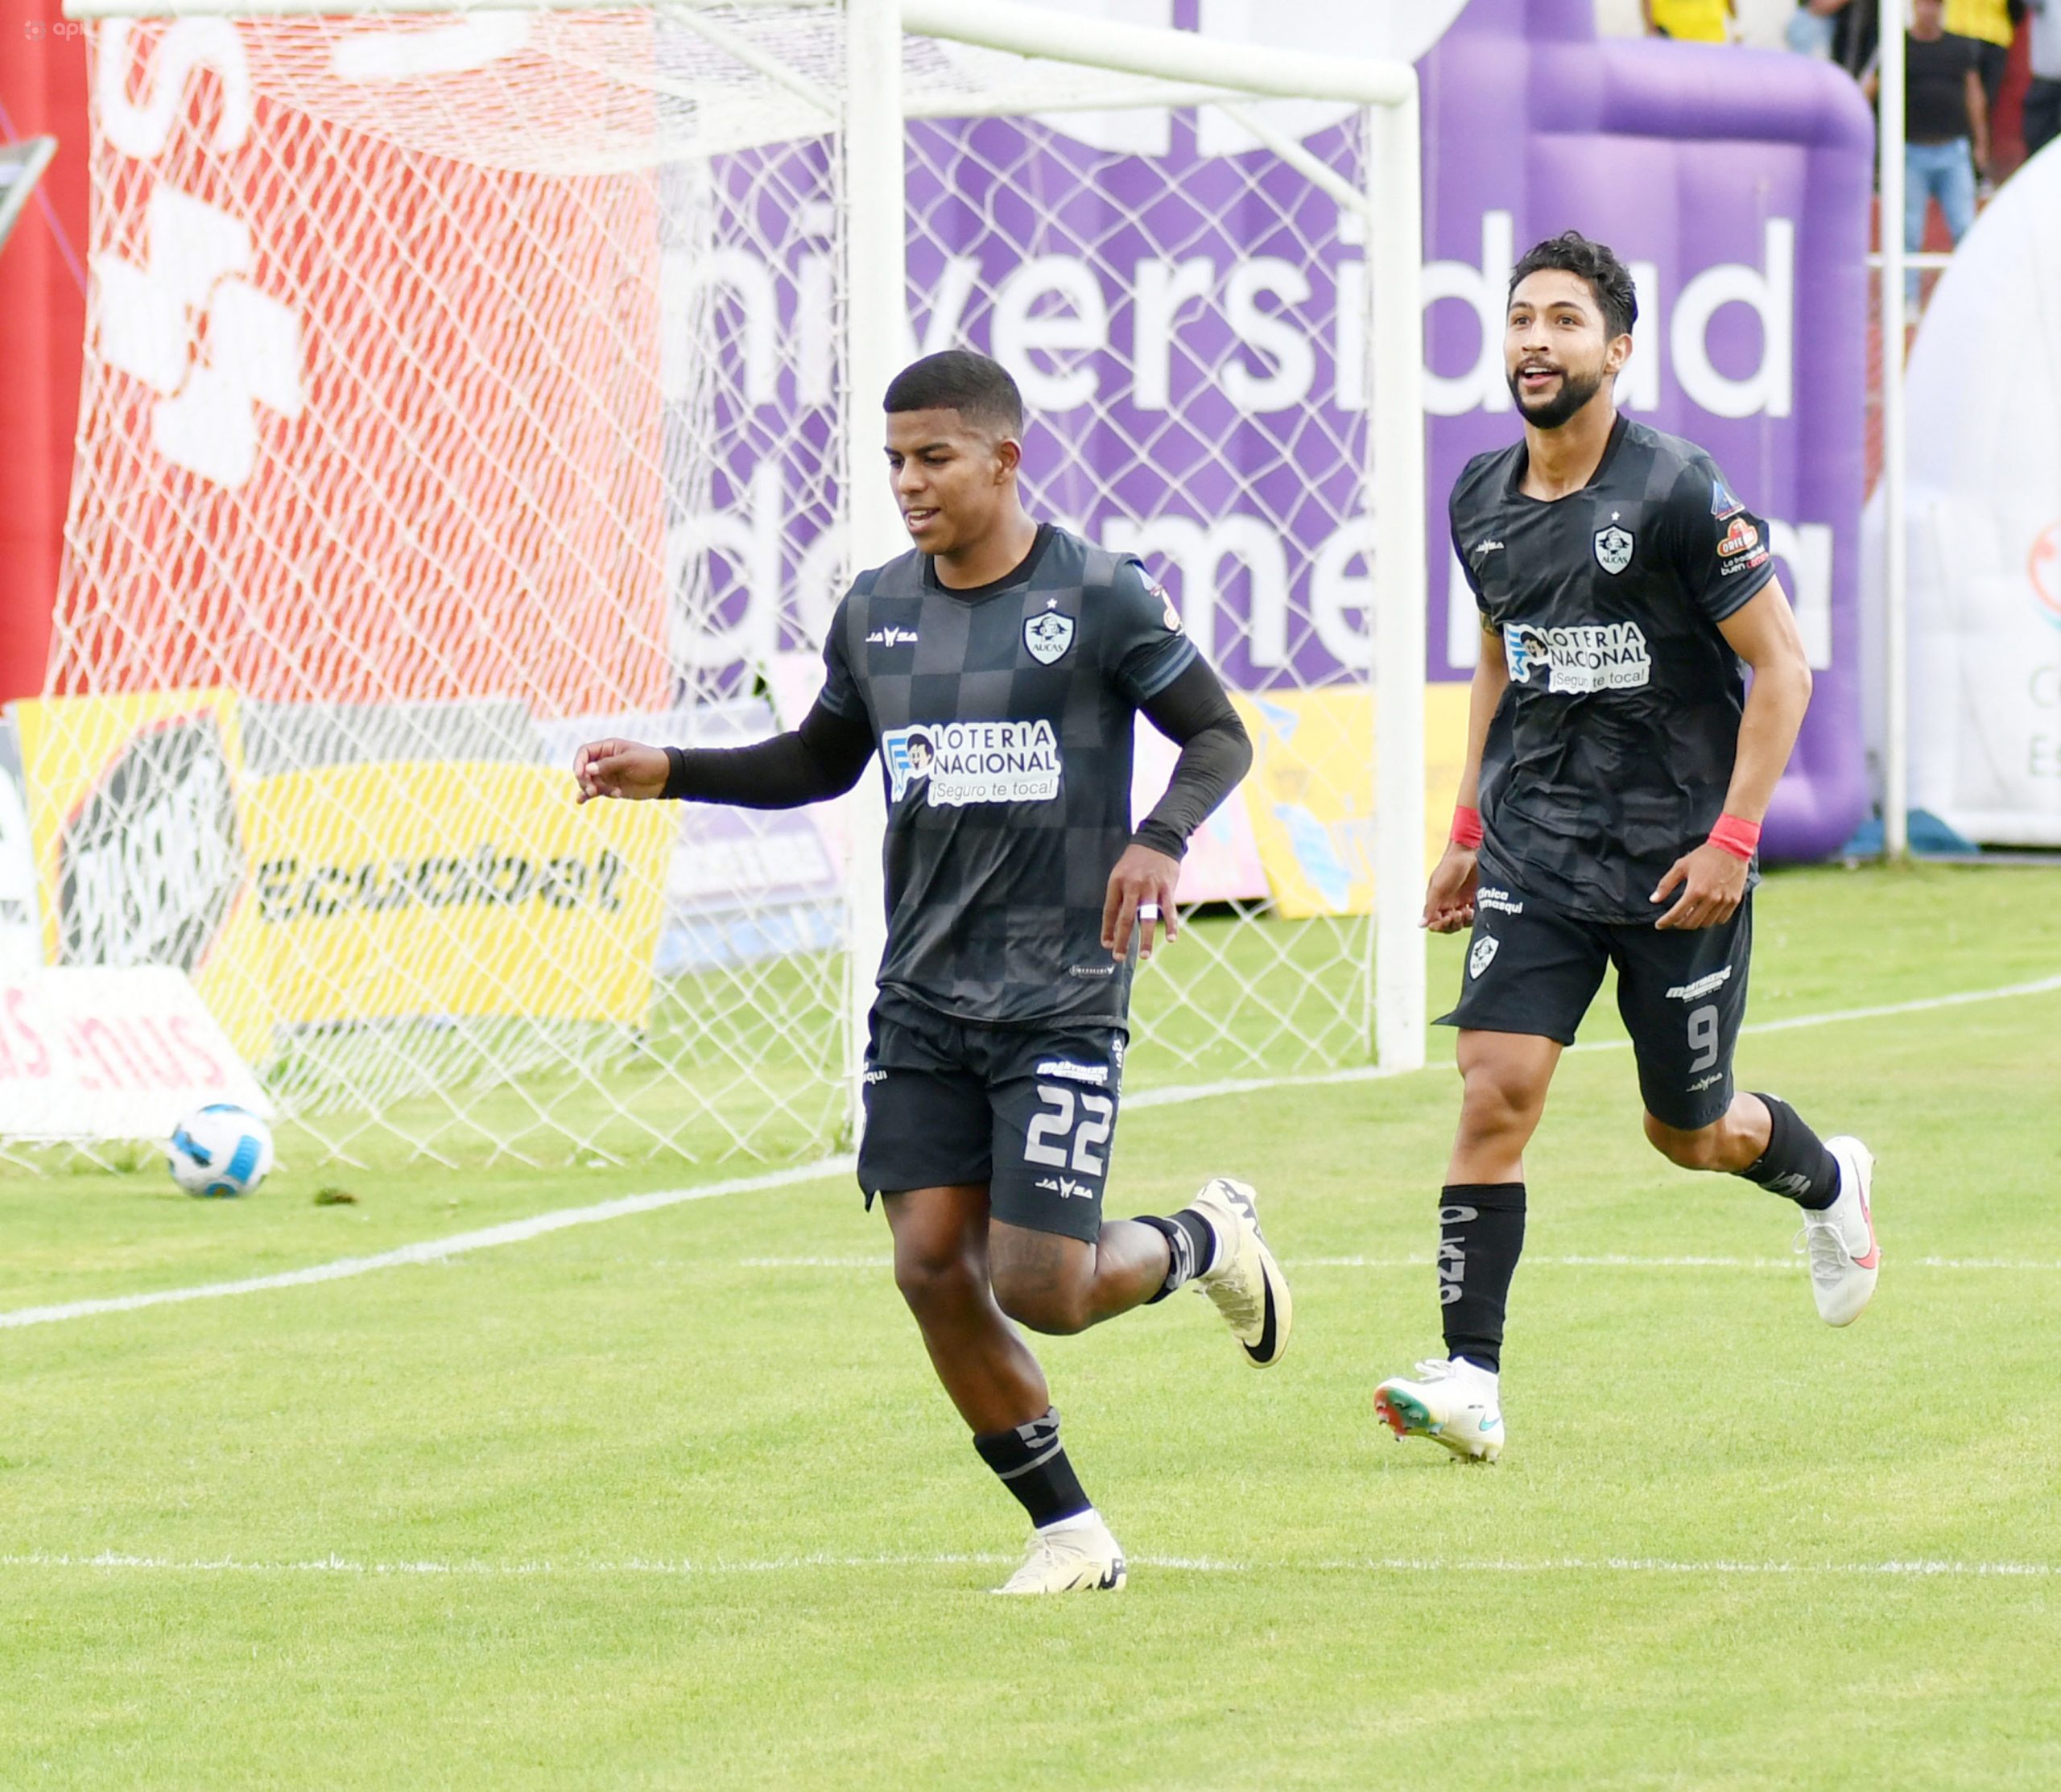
(1045, 1139)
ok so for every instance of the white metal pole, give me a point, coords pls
(1896, 534)
(874, 253)
(1395, 446)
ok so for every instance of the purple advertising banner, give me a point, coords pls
(1185, 316)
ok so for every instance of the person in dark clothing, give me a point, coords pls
(1609, 809)
(997, 668)
(2042, 111)
(1946, 129)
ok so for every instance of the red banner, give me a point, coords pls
(361, 423)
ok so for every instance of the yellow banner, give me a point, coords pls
(1310, 793)
(368, 891)
(388, 889)
(132, 816)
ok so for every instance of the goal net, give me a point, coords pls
(461, 387)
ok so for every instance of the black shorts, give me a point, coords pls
(1030, 1110)
(1683, 993)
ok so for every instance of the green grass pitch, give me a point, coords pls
(672, 1500)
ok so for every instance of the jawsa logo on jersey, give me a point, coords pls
(962, 762)
(1584, 658)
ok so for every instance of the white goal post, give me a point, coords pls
(346, 403)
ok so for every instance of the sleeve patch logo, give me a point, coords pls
(1741, 538)
(1722, 502)
(1613, 549)
(962, 762)
(1168, 614)
(1047, 635)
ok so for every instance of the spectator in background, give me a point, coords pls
(1813, 26)
(1853, 37)
(1699, 21)
(1990, 26)
(1946, 128)
(2043, 96)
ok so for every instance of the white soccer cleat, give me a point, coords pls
(1243, 1280)
(1452, 1402)
(1076, 1555)
(1844, 1258)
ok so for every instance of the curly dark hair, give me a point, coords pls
(980, 389)
(1609, 278)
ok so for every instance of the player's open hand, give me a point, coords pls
(1141, 891)
(1712, 882)
(1449, 896)
(624, 769)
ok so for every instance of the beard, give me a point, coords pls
(1575, 391)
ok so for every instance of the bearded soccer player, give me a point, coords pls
(1616, 778)
(998, 667)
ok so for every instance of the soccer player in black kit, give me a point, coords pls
(997, 668)
(1616, 777)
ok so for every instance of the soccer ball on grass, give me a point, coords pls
(220, 1150)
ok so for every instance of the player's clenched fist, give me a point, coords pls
(1449, 896)
(624, 769)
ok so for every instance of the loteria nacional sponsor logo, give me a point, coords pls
(962, 762)
(1580, 659)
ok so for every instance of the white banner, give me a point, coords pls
(111, 1053)
(1985, 525)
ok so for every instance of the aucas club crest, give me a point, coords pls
(1613, 549)
(1047, 635)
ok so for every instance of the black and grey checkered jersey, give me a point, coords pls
(1611, 752)
(1003, 715)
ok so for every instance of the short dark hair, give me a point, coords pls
(1609, 278)
(978, 389)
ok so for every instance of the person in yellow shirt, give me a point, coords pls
(1699, 21)
(1988, 23)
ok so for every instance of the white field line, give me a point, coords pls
(1920, 1568)
(1785, 1265)
(1180, 1093)
(519, 1231)
(434, 1250)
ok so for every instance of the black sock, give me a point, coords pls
(1481, 1238)
(1030, 1462)
(1796, 1164)
(1190, 1247)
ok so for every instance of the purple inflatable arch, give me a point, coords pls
(1737, 182)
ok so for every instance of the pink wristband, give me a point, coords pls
(1466, 827)
(1736, 836)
